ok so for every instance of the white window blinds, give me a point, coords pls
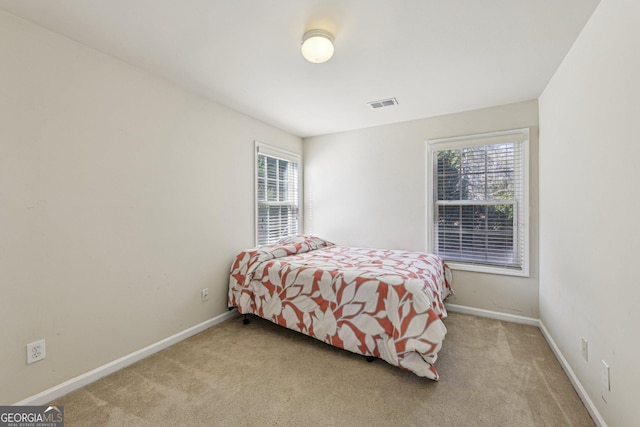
(277, 194)
(479, 194)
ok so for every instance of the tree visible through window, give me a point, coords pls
(479, 202)
(277, 194)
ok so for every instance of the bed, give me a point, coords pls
(386, 304)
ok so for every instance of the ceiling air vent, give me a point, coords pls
(383, 103)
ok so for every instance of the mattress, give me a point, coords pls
(382, 303)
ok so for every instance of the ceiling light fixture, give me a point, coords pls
(317, 46)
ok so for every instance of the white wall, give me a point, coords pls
(121, 196)
(367, 188)
(589, 205)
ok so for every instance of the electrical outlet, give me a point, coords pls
(204, 294)
(35, 351)
(585, 349)
(606, 379)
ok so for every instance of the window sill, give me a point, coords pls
(454, 265)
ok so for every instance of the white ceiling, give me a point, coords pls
(434, 56)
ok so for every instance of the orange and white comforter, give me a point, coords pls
(382, 303)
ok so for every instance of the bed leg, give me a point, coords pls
(370, 359)
(245, 319)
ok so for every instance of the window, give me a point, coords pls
(277, 194)
(478, 213)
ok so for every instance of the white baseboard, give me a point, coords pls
(577, 385)
(492, 314)
(111, 367)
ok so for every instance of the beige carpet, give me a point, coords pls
(493, 373)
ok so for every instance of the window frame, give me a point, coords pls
(482, 139)
(261, 148)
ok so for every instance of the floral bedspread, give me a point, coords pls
(382, 303)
